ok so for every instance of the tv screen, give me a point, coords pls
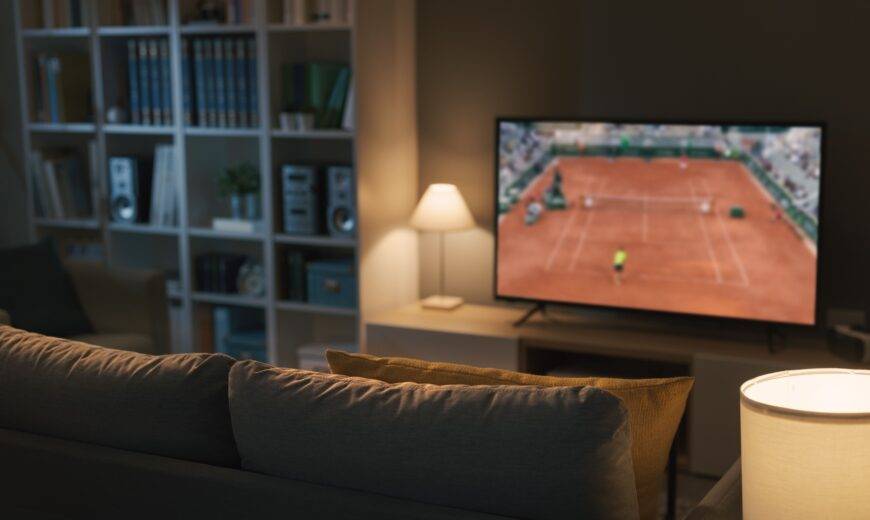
(704, 219)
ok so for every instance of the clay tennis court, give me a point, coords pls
(679, 258)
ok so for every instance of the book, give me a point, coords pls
(155, 83)
(133, 82)
(157, 180)
(42, 201)
(52, 69)
(144, 82)
(253, 95)
(199, 82)
(347, 119)
(219, 79)
(230, 83)
(53, 189)
(186, 92)
(335, 105)
(241, 83)
(165, 82)
(208, 75)
(71, 87)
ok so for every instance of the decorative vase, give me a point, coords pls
(236, 206)
(252, 206)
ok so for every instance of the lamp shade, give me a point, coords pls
(805, 445)
(442, 208)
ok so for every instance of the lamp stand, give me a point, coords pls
(441, 301)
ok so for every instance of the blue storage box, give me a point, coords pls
(246, 345)
(332, 283)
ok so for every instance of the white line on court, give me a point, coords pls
(583, 232)
(709, 244)
(737, 259)
(645, 218)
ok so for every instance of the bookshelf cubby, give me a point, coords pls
(202, 152)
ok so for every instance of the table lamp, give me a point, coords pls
(442, 209)
(805, 445)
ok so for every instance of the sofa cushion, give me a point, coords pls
(38, 293)
(655, 406)
(174, 405)
(526, 452)
(121, 341)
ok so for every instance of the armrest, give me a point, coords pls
(4, 318)
(123, 301)
(724, 501)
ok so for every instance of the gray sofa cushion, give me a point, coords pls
(172, 405)
(527, 452)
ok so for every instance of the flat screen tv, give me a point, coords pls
(704, 219)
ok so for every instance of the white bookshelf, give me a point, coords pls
(375, 34)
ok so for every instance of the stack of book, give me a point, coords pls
(219, 82)
(302, 12)
(133, 12)
(62, 13)
(62, 87)
(323, 89)
(62, 183)
(218, 272)
(149, 81)
(164, 198)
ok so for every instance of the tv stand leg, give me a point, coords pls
(539, 307)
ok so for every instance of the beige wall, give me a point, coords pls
(477, 60)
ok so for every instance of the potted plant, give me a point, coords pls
(241, 183)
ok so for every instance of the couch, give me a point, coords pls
(91, 432)
(127, 308)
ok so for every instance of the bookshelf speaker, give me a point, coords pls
(341, 210)
(301, 195)
(125, 190)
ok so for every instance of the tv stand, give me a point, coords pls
(539, 307)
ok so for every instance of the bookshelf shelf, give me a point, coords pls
(126, 129)
(204, 131)
(241, 300)
(310, 308)
(62, 128)
(145, 229)
(203, 232)
(133, 30)
(313, 134)
(217, 29)
(57, 32)
(319, 241)
(71, 223)
(325, 27)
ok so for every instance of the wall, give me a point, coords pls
(477, 60)
(681, 58)
(14, 226)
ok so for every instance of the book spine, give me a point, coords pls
(54, 189)
(144, 82)
(154, 63)
(220, 87)
(230, 84)
(48, 14)
(133, 82)
(253, 95)
(40, 193)
(94, 178)
(199, 81)
(186, 92)
(39, 104)
(208, 62)
(156, 185)
(52, 69)
(165, 82)
(241, 82)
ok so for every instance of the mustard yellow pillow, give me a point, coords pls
(655, 406)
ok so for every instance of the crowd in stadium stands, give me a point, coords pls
(521, 147)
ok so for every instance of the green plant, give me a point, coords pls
(239, 180)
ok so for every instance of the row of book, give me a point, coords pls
(133, 12)
(149, 81)
(164, 183)
(302, 12)
(51, 14)
(218, 272)
(61, 87)
(320, 88)
(219, 82)
(63, 182)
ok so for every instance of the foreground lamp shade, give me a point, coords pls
(805, 445)
(442, 208)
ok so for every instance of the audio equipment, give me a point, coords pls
(301, 195)
(341, 207)
(129, 190)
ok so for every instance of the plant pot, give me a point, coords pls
(252, 206)
(236, 206)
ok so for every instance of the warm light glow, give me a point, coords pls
(805, 445)
(442, 208)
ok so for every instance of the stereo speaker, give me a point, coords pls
(341, 208)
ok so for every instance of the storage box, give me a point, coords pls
(332, 283)
(246, 345)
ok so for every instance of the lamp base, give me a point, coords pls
(441, 302)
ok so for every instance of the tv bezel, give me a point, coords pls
(818, 314)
